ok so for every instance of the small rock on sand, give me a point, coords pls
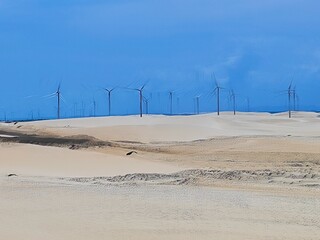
(12, 175)
(130, 153)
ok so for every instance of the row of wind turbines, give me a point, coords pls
(144, 101)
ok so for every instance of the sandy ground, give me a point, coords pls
(250, 176)
(52, 210)
(183, 128)
(52, 161)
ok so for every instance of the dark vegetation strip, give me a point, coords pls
(75, 142)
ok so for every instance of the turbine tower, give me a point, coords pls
(248, 104)
(94, 107)
(74, 109)
(146, 101)
(298, 101)
(58, 94)
(294, 96)
(178, 105)
(289, 99)
(233, 99)
(217, 92)
(290, 92)
(171, 98)
(140, 90)
(197, 104)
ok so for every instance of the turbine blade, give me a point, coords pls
(49, 95)
(59, 86)
(215, 79)
(63, 99)
(143, 86)
(31, 96)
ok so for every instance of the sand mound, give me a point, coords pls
(209, 177)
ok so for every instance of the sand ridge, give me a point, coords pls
(157, 128)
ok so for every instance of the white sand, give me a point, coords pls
(52, 161)
(184, 128)
(50, 211)
(266, 133)
(275, 161)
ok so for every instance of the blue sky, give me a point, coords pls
(254, 47)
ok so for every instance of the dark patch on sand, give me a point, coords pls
(71, 142)
(130, 153)
(209, 177)
(12, 175)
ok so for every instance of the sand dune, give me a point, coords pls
(162, 142)
(250, 176)
(51, 161)
(153, 128)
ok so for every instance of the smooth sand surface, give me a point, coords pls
(250, 176)
(153, 128)
(35, 160)
(51, 211)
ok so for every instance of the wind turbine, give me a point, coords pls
(58, 94)
(59, 98)
(290, 93)
(94, 107)
(289, 99)
(146, 100)
(197, 104)
(217, 92)
(178, 105)
(248, 104)
(233, 99)
(171, 98)
(74, 109)
(294, 95)
(298, 101)
(109, 91)
(140, 90)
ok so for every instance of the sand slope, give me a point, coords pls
(52, 161)
(183, 128)
(250, 176)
